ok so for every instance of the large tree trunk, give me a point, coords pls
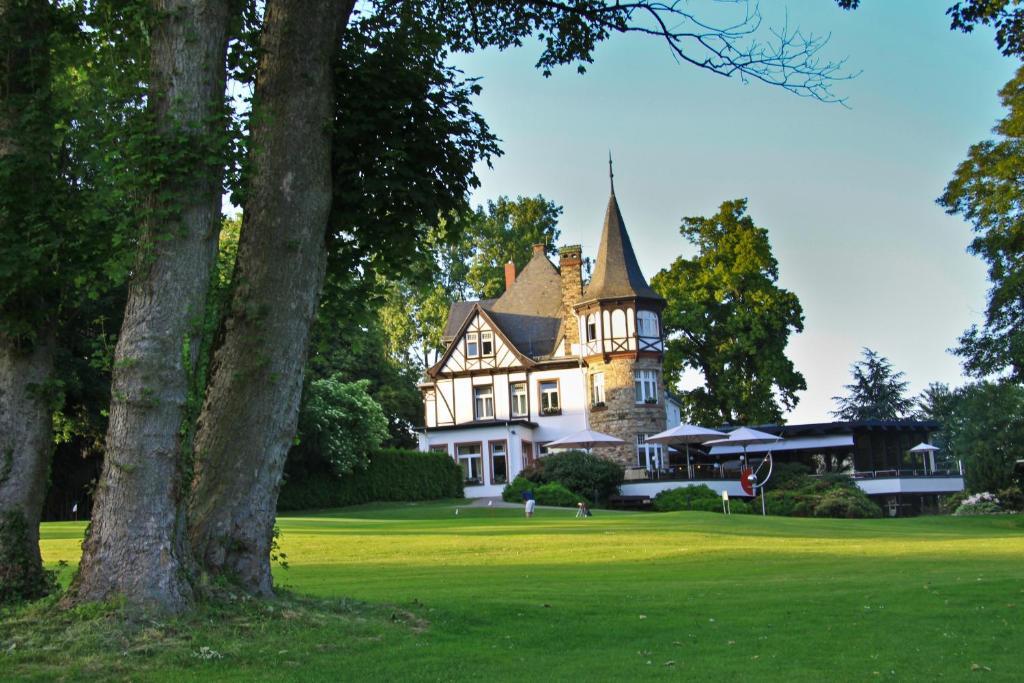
(26, 360)
(136, 545)
(26, 443)
(249, 417)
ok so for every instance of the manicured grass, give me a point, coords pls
(491, 595)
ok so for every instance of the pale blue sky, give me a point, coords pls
(847, 195)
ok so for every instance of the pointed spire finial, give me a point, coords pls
(611, 175)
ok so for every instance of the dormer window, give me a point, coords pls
(647, 324)
(487, 343)
(472, 345)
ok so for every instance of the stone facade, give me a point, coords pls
(570, 265)
(621, 415)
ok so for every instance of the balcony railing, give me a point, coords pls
(704, 472)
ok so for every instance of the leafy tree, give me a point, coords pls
(938, 403)
(505, 231)
(1006, 16)
(985, 431)
(878, 391)
(340, 424)
(727, 317)
(986, 190)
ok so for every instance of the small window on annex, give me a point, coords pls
(471, 462)
(647, 324)
(549, 404)
(645, 382)
(486, 343)
(483, 402)
(499, 463)
(472, 345)
(519, 403)
(597, 389)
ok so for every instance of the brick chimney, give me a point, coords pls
(570, 263)
(539, 249)
(510, 274)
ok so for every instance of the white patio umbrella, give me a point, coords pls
(586, 438)
(925, 449)
(685, 434)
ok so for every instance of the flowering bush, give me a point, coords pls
(983, 503)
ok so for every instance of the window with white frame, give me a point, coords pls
(471, 462)
(472, 345)
(645, 382)
(486, 343)
(483, 402)
(591, 327)
(597, 389)
(647, 324)
(499, 462)
(648, 455)
(519, 403)
(549, 404)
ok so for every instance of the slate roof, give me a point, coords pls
(616, 271)
(529, 313)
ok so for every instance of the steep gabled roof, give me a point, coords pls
(616, 272)
(530, 311)
(474, 309)
(457, 315)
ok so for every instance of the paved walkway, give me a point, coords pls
(495, 502)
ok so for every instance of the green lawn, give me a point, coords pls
(491, 595)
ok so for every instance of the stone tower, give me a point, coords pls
(621, 344)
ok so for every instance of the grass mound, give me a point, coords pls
(229, 637)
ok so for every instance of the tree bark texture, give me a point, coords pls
(136, 544)
(26, 364)
(249, 417)
(26, 444)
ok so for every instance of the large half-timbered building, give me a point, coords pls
(550, 357)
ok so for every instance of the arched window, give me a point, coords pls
(647, 324)
(591, 327)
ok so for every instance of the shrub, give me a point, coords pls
(686, 498)
(1011, 498)
(513, 492)
(790, 475)
(555, 494)
(551, 493)
(588, 476)
(790, 503)
(848, 503)
(983, 503)
(391, 475)
(951, 502)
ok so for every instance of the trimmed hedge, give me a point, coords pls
(392, 475)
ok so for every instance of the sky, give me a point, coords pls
(847, 193)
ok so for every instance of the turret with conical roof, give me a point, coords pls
(620, 331)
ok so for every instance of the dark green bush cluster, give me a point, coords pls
(551, 493)
(952, 501)
(1011, 499)
(700, 498)
(392, 475)
(589, 476)
(829, 495)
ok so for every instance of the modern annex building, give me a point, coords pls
(550, 357)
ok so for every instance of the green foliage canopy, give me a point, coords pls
(986, 430)
(987, 191)
(339, 423)
(727, 317)
(506, 230)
